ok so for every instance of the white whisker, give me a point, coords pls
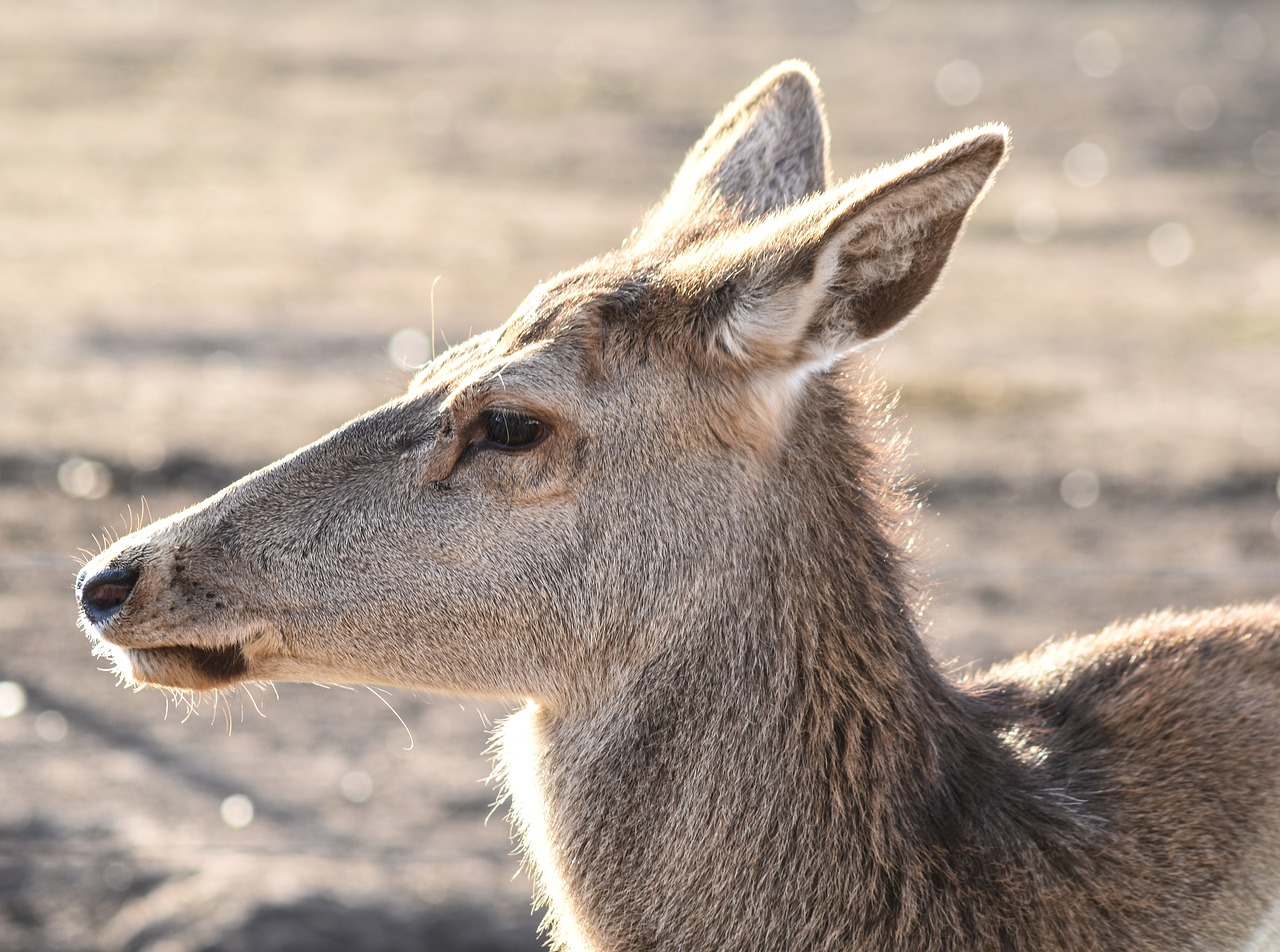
(384, 699)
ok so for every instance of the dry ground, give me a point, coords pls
(214, 217)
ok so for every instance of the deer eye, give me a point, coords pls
(509, 430)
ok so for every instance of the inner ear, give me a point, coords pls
(891, 246)
(845, 266)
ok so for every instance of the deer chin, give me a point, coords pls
(186, 667)
(207, 661)
(189, 664)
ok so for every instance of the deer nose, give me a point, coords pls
(104, 594)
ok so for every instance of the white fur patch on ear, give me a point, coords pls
(885, 241)
(770, 328)
(846, 266)
(771, 398)
(776, 327)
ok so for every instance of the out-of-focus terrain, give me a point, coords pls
(221, 225)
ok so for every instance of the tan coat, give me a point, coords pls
(655, 506)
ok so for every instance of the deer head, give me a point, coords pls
(554, 503)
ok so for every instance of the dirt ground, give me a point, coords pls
(217, 219)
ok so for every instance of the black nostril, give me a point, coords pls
(102, 595)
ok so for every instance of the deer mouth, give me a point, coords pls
(187, 667)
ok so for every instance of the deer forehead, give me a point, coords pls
(630, 339)
(492, 369)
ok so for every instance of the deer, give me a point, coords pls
(657, 512)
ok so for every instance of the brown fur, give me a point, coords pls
(734, 736)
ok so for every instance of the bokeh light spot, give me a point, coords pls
(237, 811)
(146, 452)
(958, 82)
(1080, 488)
(356, 786)
(1170, 244)
(1197, 108)
(82, 478)
(13, 699)
(1242, 38)
(1266, 153)
(1036, 221)
(1085, 164)
(51, 726)
(1098, 54)
(409, 348)
(1260, 427)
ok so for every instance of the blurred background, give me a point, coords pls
(227, 227)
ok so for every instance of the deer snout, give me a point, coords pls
(104, 592)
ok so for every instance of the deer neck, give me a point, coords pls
(690, 814)
(795, 750)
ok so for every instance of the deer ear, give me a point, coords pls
(846, 266)
(765, 151)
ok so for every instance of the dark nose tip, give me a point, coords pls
(102, 595)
